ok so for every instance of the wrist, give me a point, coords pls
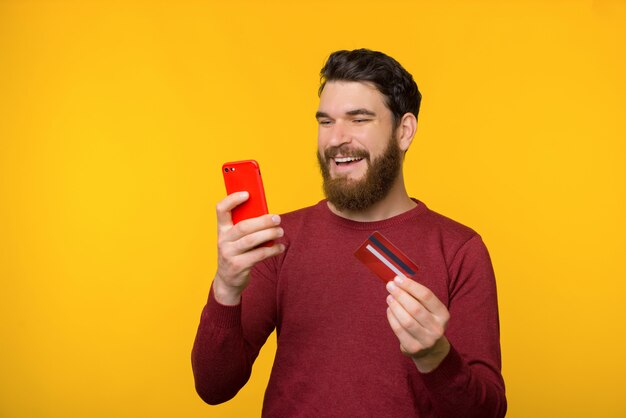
(224, 294)
(426, 363)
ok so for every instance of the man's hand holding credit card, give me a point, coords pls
(423, 339)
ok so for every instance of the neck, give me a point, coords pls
(396, 202)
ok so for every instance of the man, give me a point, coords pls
(348, 345)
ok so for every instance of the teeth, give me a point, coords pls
(346, 159)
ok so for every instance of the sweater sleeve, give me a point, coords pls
(469, 382)
(229, 338)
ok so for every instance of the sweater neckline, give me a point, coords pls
(322, 207)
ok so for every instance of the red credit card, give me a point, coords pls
(385, 259)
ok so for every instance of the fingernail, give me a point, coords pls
(389, 299)
(244, 194)
(281, 232)
(276, 219)
(391, 286)
(398, 279)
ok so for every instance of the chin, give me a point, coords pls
(348, 179)
(352, 176)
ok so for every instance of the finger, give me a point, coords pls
(414, 326)
(254, 239)
(423, 294)
(413, 337)
(250, 226)
(409, 310)
(248, 259)
(408, 343)
(226, 205)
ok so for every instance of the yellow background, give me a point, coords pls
(115, 117)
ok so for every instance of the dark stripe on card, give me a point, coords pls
(391, 255)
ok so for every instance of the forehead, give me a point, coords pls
(343, 96)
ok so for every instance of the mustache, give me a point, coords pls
(345, 151)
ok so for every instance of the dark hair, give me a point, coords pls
(385, 73)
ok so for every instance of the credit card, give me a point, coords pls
(385, 259)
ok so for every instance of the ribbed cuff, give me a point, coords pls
(449, 371)
(220, 315)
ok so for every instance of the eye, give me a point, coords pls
(324, 122)
(361, 120)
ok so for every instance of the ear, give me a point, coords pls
(406, 130)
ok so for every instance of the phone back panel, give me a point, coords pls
(245, 176)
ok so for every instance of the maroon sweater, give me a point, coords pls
(337, 355)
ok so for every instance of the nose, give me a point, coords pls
(339, 134)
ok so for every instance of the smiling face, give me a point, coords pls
(357, 150)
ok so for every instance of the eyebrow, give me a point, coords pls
(354, 112)
(360, 112)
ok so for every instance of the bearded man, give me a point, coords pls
(347, 344)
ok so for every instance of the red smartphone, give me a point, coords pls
(245, 176)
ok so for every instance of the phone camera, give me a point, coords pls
(226, 170)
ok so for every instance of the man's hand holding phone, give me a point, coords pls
(239, 247)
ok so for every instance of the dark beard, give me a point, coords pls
(357, 195)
